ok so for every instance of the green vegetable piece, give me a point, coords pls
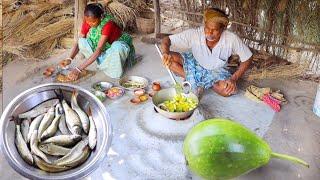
(180, 103)
(223, 149)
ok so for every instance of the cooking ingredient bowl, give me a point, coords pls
(102, 86)
(115, 92)
(168, 94)
(133, 82)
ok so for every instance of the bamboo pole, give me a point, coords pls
(79, 7)
(156, 5)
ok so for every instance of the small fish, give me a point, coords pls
(34, 126)
(22, 146)
(52, 129)
(62, 125)
(34, 141)
(39, 109)
(63, 140)
(75, 152)
(25, 125)
(49, 167)
(79, 159)
(46, 121)
(53, 149)
(92, 131)
(82, 115)
(72, 119)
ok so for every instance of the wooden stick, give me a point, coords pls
(156, 6)
(79, 7)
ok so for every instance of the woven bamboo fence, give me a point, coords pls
(288, 29)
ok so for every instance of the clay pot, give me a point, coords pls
(156, 86)
(47, 73)
(135, 100)
(50, 69)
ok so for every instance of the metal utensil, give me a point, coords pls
(169, 94)
(63, 71)
(186, 86)
(138, 79)
(34, 96)
(169, 71)
(102, 86)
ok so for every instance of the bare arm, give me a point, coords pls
(244, 66)
(95, 54)
(75, 48)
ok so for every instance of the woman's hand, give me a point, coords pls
(167, 60)
(73, 75)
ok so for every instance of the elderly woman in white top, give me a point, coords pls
(211, 45)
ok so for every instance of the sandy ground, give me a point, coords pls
(295, 130)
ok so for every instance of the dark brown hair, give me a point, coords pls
(94, 10)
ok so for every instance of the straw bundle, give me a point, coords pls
(14, 49)
(67, 11)
(124, 15)
(33, 30)
(44, 20)
(277, 72)
(51, 31)
(38, 49)
(66, 42)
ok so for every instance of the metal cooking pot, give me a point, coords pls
(168, 94)
(34, 96)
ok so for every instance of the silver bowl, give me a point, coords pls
(168, 94)
(32, 97)
(100, 95)
(138, 79)
(103, 84)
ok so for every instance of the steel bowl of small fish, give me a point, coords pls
(55, 131)
(132, 83)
